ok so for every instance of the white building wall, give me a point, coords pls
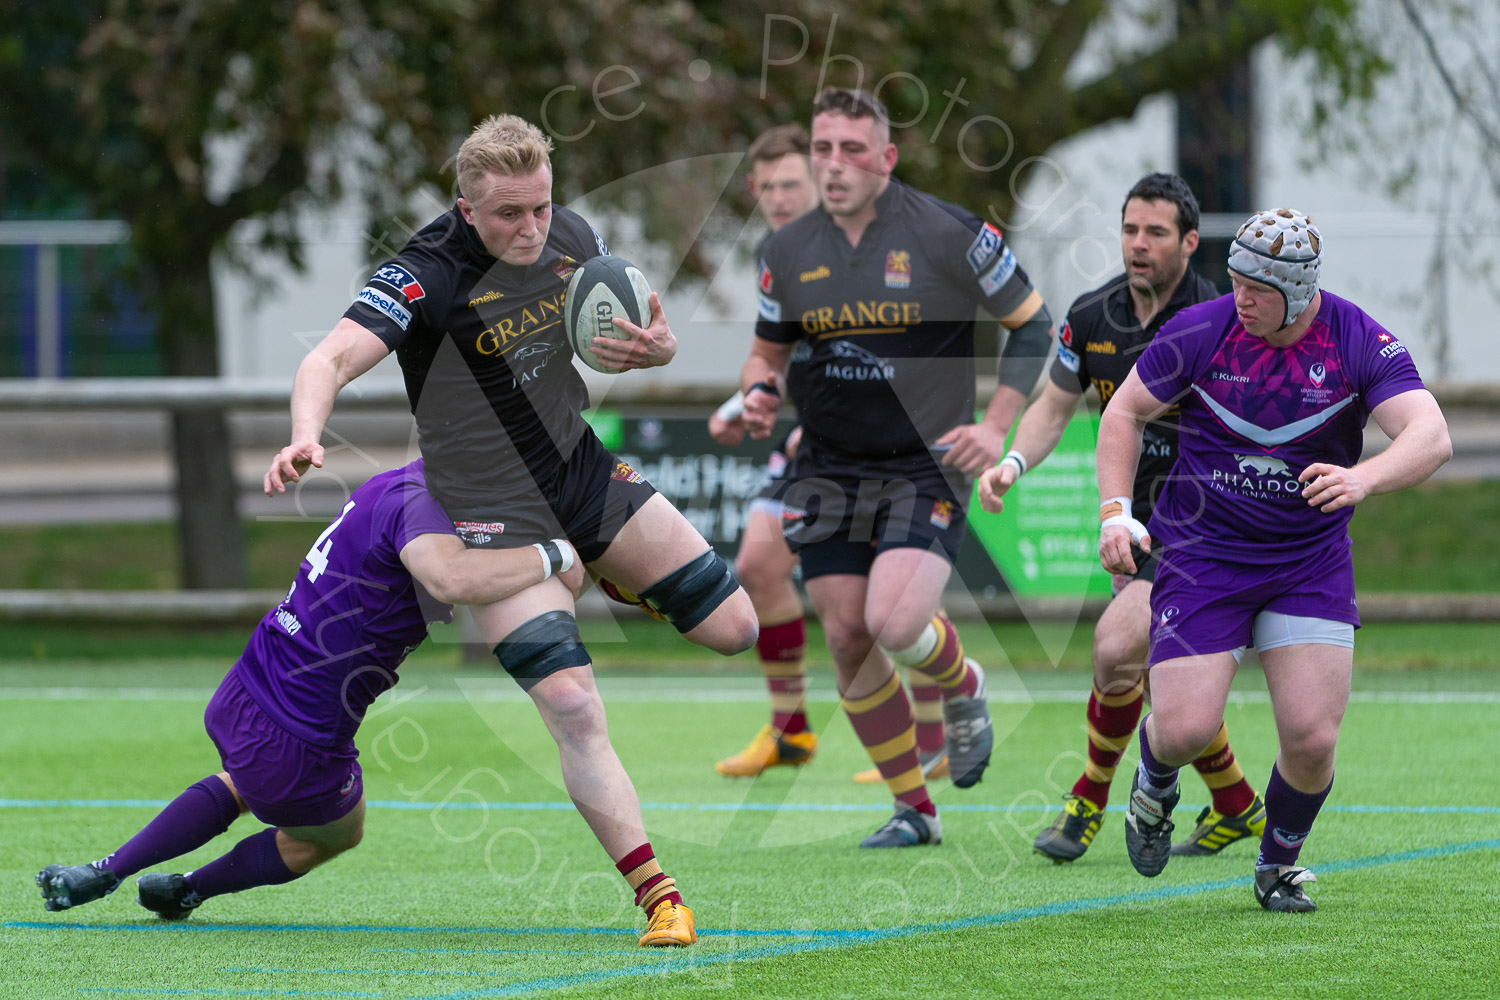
(1379, 249)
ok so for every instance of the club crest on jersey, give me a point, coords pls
(564, 267)
(478, 532)
(1317, 373)
(984, 248)
(942, 514)
(624, 473)
(402, 280)
(898, 269)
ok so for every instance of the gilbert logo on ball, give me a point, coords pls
(601, 289)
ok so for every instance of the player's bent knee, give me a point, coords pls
(848, 643)
(732, 629)
(689, 594)
(1314, 748)
(541, 647)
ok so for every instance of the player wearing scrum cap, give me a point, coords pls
(1105, 331)
(472, 306)
(882, 282)
(1275, 384)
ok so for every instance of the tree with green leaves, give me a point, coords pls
(188, 119)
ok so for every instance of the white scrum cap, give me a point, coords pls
(1281, 248)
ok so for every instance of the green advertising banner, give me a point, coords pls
(1046, 541)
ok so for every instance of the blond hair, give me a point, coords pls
(501, 144)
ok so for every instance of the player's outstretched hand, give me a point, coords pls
(289, 465)
(972, 447)
(729, 433)
(1331, 487)
(994, 483)
(761, 407)
(649, 346)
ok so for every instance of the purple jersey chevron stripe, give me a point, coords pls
(1254, 416)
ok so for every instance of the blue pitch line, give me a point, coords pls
(805, 939)
(805, 807)
(849, 938)
(189, 927)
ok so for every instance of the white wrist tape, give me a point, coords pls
(732, 408)
(1016, 459)
(557, 556)
(1116, 511)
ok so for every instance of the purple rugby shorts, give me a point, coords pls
(1202, 605)
(284, 780)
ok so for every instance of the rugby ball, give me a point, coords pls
(601, 289)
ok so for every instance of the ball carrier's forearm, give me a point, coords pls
(314, 390)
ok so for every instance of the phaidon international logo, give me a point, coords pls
(1257, 476)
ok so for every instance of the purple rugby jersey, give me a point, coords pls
(318, 659)
(1254, 416)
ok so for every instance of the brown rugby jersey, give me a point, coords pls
(890, 323)
(485, 356)
(1098, 345)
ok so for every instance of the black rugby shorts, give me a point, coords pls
(587, 501)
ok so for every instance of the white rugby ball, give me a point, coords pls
(601, 289)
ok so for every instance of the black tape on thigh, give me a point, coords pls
(544, 645)
(688, 595)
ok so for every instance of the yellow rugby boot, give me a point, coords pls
(1215, 832)
(770, 748)
(671, 926)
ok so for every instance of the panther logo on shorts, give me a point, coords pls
(625, 474)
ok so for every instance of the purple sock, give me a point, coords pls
(1289, 819)
(202, 812)
(253, 861)
(1156, 777)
